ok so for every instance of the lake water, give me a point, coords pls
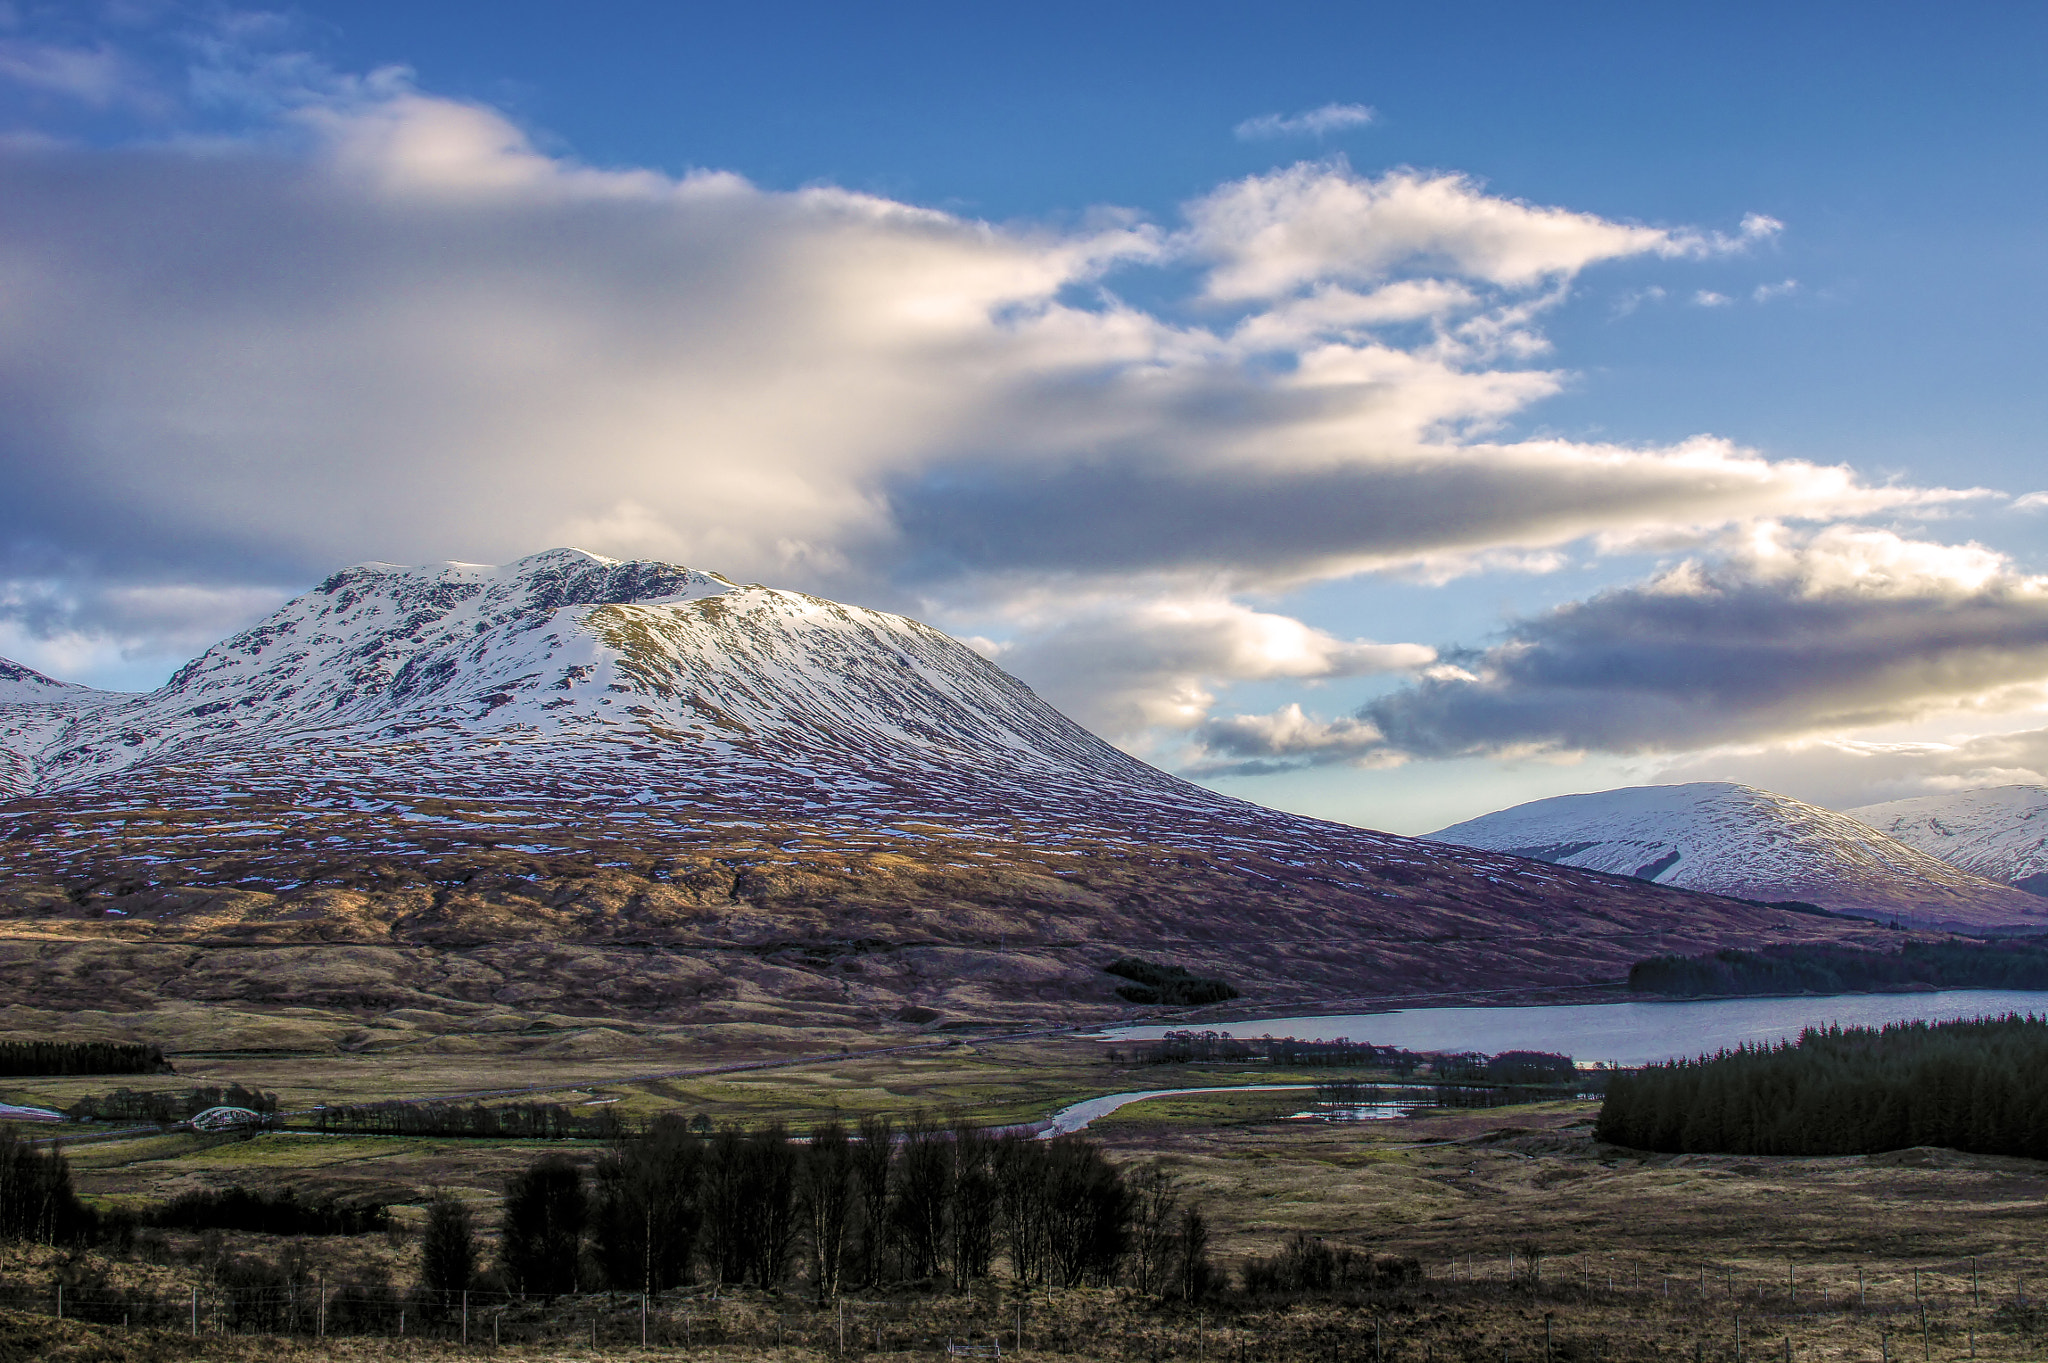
(1619, 1033)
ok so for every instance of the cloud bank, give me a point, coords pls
(378, 323)
(1780, 636)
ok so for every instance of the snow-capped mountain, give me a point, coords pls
(34, 709)
(1737, 840)
(1998, 832)
(572, 749)
(566, 651)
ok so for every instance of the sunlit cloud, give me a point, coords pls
(1318, 122)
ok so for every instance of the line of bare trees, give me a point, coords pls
(841, 1208)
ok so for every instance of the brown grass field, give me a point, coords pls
(1636, 1256)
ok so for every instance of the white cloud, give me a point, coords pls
(94, 76)
(1636, 298)
(1843, 773)
(1707, 298)
(1316, 122)
(1272, 234)
(404, 332)
(1764, 293)
(1778, 636)
(1126, 667)
(2032, 501)
(1251, 745)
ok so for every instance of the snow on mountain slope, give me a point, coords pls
(568, 657)
(569, 749)
(1998, 832)
(1737, 840)
(34, 712)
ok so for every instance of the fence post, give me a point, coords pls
(465, 1318)
(643, 1323)
(60, 1301)
(320, 1316)
(195, 1313)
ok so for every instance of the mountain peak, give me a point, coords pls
(1999, 832)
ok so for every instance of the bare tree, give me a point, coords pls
(1195, 1273)
(924, 1188)
(973, 1213)
(828, 1195)
(1155, 1199)
(872, 1161)
(1020, 1183)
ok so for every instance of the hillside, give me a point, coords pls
(1999, 832)
(582, 785)
(1737, 840)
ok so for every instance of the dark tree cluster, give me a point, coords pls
(509, 1121)
(1308, 1265)
(1172, 985)
(167, 1106)
(1828, 969)
(1189, 1047)
(840, 1208)
(36, 1200)
(281, 1213)
(81, 1057)
(1978, 1085)
(1509, 1067)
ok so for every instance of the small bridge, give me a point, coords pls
(224, 1119)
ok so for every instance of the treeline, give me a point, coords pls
(509, 1121)
(167, 1106)
(1979, 1085)
(81, 1057)
(1182, 1048)
(1829, 969)
(1508, 1067)
(280, 1213)
(842, 1208)
(1470, 1067)
(36, 1199)
(1172, 985)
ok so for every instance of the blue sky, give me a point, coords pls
(1398, 563)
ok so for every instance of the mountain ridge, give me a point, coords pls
(1727, 838)
(636, 766)
(1998, 832)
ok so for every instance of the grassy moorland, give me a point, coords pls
(1520, 1222)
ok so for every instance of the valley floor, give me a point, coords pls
(1637, 1256)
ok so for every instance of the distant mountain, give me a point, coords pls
(731, 799)
(1999, 832)
(1737, 840)
(34, 709)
